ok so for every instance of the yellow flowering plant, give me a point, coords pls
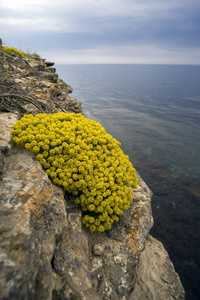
(14, 51)
(80, 156)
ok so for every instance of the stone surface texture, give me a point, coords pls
(156, 278)
(34, 87)
(46, 253)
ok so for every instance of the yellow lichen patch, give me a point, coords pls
(136, 217)
(41, 95)
(134, 245)
(7, 192)
(21, 193)
(133, 232)
(22, 175)
(36, 202)
(140, 210)
(32, 171)
(133, 239)
(32, 192)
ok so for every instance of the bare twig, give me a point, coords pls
(52, 104)
(60, 107)
(34, 102)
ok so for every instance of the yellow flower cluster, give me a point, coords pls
(80, 156)
(14, 50)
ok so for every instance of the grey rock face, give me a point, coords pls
(156, 277)
(34, 87)
(47, 254)
(32, 214)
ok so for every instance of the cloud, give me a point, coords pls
(143, 54)
(91, 15)
(81, 25)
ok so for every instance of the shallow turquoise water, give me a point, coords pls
(154, 111)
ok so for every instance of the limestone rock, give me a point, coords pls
(51, 70)
(49, 63)
(156, 277)
(35, 64)
(32, 215)
(34, 87)
(46, 253)
(6, 121)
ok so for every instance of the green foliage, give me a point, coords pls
(80, 156)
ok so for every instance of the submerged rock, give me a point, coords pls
(195, 189)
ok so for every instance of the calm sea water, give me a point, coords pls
(154, 111)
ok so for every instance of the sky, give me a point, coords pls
(104, 31)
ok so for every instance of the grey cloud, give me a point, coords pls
(82, 24)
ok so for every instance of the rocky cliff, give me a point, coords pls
(46, 253)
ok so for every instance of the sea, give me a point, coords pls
(154, 111)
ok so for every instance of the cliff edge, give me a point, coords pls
(46, 253)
